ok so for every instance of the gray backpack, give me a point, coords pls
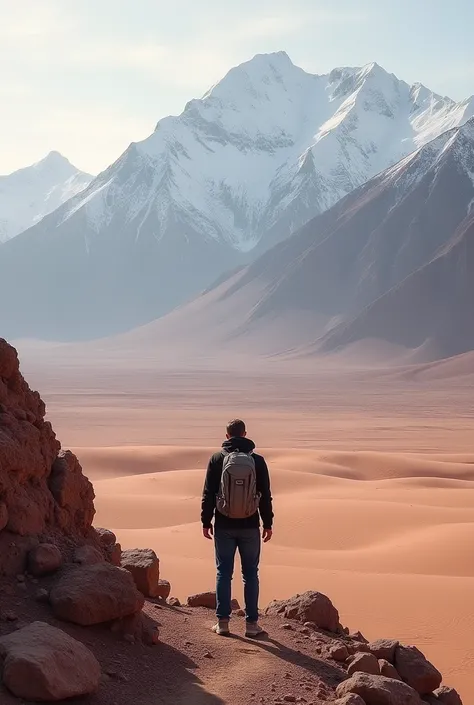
(238, 497)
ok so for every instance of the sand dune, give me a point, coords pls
(372, 473)
(389, 536)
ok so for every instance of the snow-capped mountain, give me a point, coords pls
(27, 195)
(392, 260)
(264, 151)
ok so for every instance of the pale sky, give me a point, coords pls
(87, 77)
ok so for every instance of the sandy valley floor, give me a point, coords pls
(373, 482)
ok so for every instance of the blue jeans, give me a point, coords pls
(247, 542)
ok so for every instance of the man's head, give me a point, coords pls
(236, 429)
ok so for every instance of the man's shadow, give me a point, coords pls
(315, 666)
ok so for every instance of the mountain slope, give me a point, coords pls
(433, 308)
(265, 150)
(27, 195)
(409, 227)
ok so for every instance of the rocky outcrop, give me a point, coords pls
(94, 594)
(144, 566)
(309, 607)
(44, 496)
(42, 663)
(377, 690)
(416, 670)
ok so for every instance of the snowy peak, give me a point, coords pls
(266, 149)
(27, 195)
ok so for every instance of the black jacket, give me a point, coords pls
(212, 483)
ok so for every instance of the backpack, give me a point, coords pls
(238, 497)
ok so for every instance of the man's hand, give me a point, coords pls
(208, 532)
(267, 535)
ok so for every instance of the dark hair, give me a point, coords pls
(235, 428)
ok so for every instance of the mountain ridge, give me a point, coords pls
(30, 193)
(266, 149)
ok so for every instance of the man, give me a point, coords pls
(237, 494)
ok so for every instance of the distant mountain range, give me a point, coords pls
(263, 152)
(393, 261)
(29, 194)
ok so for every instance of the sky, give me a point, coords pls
(88, 77)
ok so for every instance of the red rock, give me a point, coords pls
(173, 602)
(164, 589)
(416, 670)
(448, 696)
(203, 599)
(387, 670)
(94, 594)
(358, 636)
(45, 558)
(74, 495)
(377, 690)
(41, 662)
(350, 699)
(114, 554)
(144, 566)
(364, 663)
(209, 601)
(309, 607)
(106, 537)
(384, 648)
(339, 652)
(88, 555)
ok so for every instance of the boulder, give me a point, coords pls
(173, 602)
(309, 607)
(42, 663)
(88, 555)
(364, 663)
(209, 601)
(416, 670)
(350, 699)
(45, 558)
(448, 696)
(144, 566)
(384, 648)
(377, 690)
(387, 670)
(94, 594)
(203, 599)
(339, 652)
(106, 537)
(164, 589)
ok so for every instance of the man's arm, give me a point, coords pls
(211, 487)
(266, 502)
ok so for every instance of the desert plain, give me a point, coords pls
(372, 469)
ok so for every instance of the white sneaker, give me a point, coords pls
(253, 629)
(222, 627)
